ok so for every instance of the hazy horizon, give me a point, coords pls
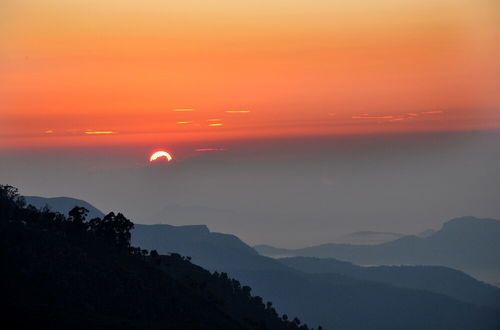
(283, 192)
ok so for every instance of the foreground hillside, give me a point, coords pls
(73, 273)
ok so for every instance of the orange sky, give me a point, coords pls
(86, 72)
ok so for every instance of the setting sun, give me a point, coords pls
(160, 154)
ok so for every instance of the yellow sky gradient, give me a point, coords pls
(70, 68)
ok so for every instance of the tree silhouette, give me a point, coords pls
(115, 228)
(76, 220)
(246, 290)
(78, 214)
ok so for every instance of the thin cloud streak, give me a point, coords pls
(99, 132)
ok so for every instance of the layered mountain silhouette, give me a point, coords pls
(336, 299)
(437, 279)
(467, 243)
(292, 291)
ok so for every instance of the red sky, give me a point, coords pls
(118, 72)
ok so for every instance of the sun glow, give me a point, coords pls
(160, 154)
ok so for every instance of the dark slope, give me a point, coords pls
(466, 243)
(63, 205)
(68, 273)
(437, 279)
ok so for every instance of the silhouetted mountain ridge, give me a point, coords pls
(63, 205)
(437, 279)
(213, 251)
(465, 243)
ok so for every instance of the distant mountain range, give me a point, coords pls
(63, 204)
(368, 237)
(335, 294)
(437, 279)
(468, 243)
